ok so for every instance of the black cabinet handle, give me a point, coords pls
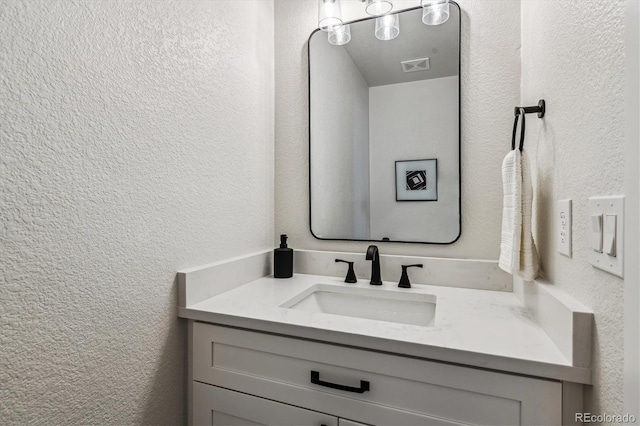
(315, 379)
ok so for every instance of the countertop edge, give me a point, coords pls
(433, 353)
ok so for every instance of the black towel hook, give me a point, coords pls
(515, 127)
(521, 112)
(540, 109)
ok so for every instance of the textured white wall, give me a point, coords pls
(573, 57)
(136, 140)
(424, 116)
(490, 88)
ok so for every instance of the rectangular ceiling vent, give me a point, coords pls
(415, 65)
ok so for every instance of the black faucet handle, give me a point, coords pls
(351, 275)
(404, 279)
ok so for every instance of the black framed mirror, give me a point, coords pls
(384, 132)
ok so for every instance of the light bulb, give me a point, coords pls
(387, 27)
(378, 7)
(340, 36)
(435, 12)
(329, 15)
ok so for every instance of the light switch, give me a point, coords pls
(596, 232)
(607, 215)
(609, 234)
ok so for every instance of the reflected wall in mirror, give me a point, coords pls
(385, 133)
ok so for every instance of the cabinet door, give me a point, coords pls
(221, 407)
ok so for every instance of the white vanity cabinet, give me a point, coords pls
(246, 377)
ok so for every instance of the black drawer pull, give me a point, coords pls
(315, 379)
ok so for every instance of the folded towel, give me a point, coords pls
(529, 262)
(511, 212)
(517, 249)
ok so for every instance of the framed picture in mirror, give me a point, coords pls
(417, 180)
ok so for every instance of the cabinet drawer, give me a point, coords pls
(216, 406)
(281, 367)
(222, 407)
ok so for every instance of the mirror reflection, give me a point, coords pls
(385, 131)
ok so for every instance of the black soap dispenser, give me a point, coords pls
(283, 260)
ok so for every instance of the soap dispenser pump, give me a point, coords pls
(283, 260)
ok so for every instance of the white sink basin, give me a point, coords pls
(368, 303)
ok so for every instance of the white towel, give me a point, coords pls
(517, 249)
(529, 262)
(511, 212)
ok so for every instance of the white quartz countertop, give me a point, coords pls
(480, 328)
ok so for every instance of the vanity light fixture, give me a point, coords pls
(387, 27)
(435, 12)
(378, 7)
(329, 15)
(340, 36)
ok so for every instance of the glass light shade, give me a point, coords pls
(340, 36)
(387, 27)
(329, 15)
(378, 7)
(435, 12)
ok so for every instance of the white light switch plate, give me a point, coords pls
(563, 234)
(604, 206)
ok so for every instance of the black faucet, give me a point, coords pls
(374, 256)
